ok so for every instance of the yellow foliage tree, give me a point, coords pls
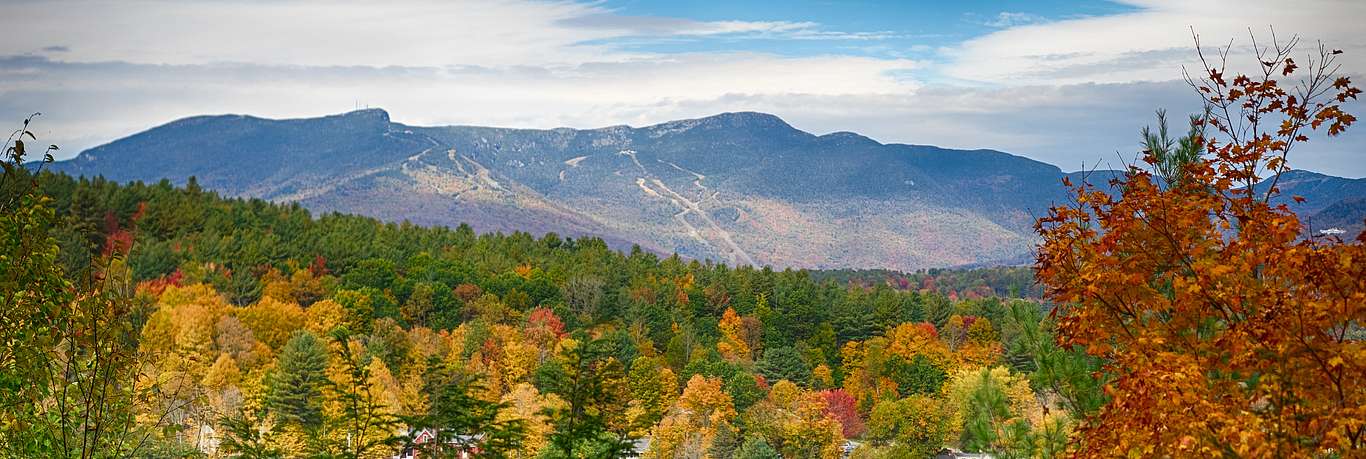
(784, 395)
(385, 387)
(822, 377)
(690, 428)
(194, 327)
(812, 432)
(272, 321)
(324, 316)
(732, 345)
(203, 294)
(964, 382)
(223, 373)
(911, 339)
(524, 402)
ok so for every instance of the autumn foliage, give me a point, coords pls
(1226, 324)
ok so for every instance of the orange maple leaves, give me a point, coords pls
(1228, 329)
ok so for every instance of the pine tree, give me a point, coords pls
(937, 310)
(296, 386)
(785, 363)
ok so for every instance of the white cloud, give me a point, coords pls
(666, 26)
(310, 32)
(488, 33)
(1149, 44)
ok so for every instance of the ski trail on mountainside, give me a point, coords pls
(733, 250)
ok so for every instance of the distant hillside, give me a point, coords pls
(742, 188)
(1345, 215)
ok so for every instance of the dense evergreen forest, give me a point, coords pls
(282, 332)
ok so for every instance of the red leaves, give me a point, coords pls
(542, 322)
(117, 241)
(1217, 76)
(1298, 198)
(843, 408)
(318, 267)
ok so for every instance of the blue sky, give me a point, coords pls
(1065, 82)
(915, 29)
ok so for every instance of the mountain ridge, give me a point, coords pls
(738, 187)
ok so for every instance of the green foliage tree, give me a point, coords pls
(988, 424)
(359, 306)
(1069, 373)
(1171, 156)
(781, 363)
(33, 289)
(296, 387)
(648, 386)
(420, 303)
(757, 448)
(938, 309)
(915, 376)
(389, 343)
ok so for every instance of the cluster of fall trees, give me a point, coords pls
(907, 392)
(1186, 316)
(254, 329)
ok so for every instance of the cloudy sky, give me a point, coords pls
(1067, 82)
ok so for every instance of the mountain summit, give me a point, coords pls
(742, 188)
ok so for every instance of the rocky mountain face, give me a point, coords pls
(740, 188)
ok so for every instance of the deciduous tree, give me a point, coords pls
(1225, 322)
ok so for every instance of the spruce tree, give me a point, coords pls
(296, 386)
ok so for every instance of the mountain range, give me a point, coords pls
(740, 188)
